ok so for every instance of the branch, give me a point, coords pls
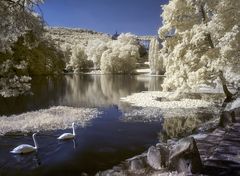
(203, 13)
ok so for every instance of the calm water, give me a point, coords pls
(99, 146)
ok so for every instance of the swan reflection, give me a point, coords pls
(31, 159)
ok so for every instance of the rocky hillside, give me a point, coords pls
(72, 36)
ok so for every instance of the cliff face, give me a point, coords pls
(155, 59)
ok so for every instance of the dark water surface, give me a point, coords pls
(99, 146)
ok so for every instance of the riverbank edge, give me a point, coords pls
(214, 144)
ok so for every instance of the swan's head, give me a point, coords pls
(34, 134)
(73, 124)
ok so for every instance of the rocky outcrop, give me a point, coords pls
(214, 154)
(184, 157)
(181, 157)
(154, 158)
(72, 36)
(219, 151)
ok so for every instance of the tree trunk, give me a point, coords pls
(204, 20)
(224, 85)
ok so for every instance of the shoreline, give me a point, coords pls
(153, 103)
(215, 150)
(218, 150)
(211, 150)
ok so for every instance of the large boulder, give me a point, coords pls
(185, 157)
(157, 157)
(154, 158)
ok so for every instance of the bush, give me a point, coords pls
(94, 50)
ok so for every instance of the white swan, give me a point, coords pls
(26, 148)
(66, 136)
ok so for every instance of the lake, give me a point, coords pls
(101, 144)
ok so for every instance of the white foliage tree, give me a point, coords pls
(17, 17)
(201, 38)
(121, 55)
(156, 59)
(78, 60)
(67, 50)
(94, 50)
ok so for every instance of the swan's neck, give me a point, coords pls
(73, 130)
(35, 143)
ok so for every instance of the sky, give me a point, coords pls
(140, 17)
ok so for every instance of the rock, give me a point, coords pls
(184, 166)
(137, 166)
(111, 172)
(185, 157)
(171, 141)
(166, 173)
(117, 168)
(164, 154)
(154, 158)
(227, 118)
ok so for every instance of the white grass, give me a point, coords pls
(54, 118)
(152, 109)
(143, 115)
(149, 99)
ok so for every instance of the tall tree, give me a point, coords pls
(201, 37)
(20, 33)
(18, 17)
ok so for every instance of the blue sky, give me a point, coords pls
(141, 17)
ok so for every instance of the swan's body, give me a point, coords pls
(66, 136)
(26, 148)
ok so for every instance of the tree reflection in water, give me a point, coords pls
(78, 91)
(178, 127)
(99, 90)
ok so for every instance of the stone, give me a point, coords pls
(111, 172)
(171, 141)
(117, 168)
(154, 158)
(164, 154)
(184, 166)
(185, 157)
(137, 166)
(166, 173)
(227, 118)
